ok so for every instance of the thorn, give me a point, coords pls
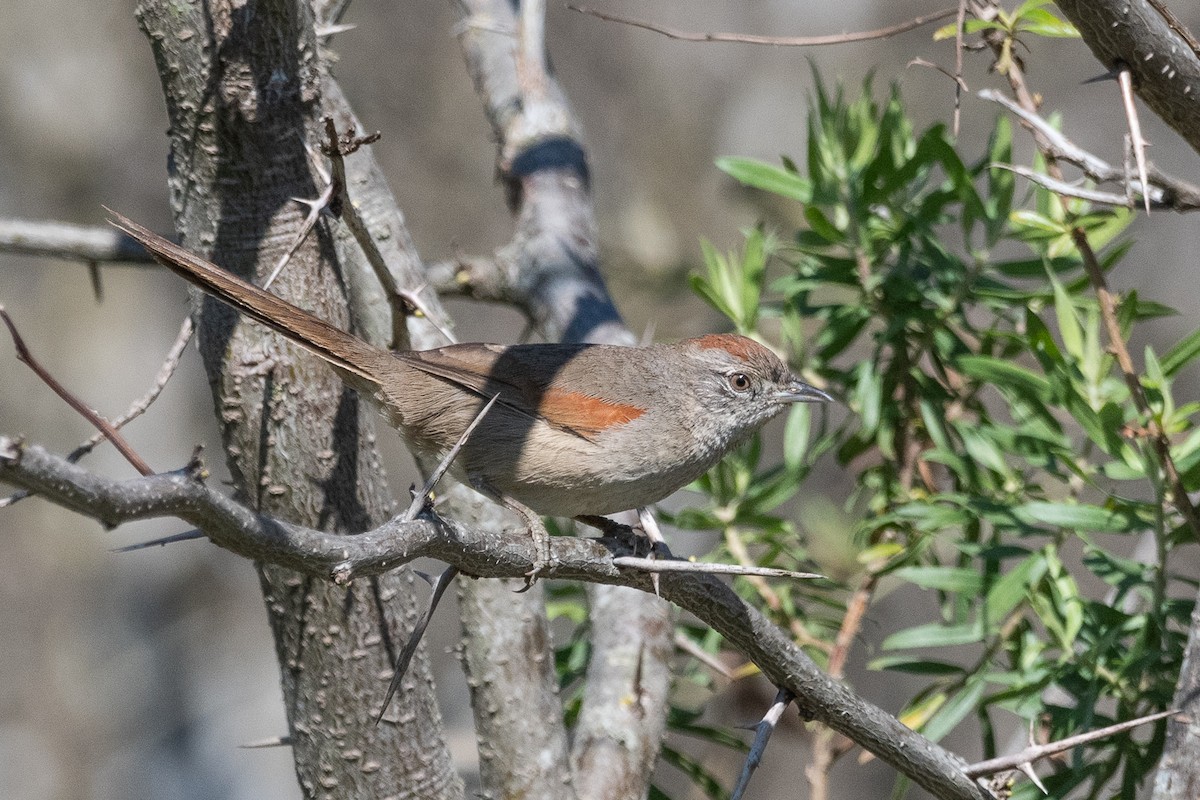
(1125, 80)
(1111, 75)
(414, 639)
(166, 540)
(97, 286)
(420, 498)
(1027, 768)
(274, 741)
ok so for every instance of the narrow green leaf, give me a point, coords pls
(1182, 354)
(767, 177)
(914, 666)
(955, 710)
(1010, 589)
(795, 436)
(1005, 375)
(1068, 322)
(946, 579)
(1078, 517)
(934, 635)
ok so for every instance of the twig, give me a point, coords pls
(88, 243)
(414, 638)
(273, 741)
(762, 735)
(110, 432)
(422, 497)
(960, 85)
(1125, 81)
(1116, 343)
(655, 565)
(315, 207)
(136, 409)
(737, 548)
(684, 643)
(401, 301)
(1040, 751)
(1066, 189)
(1165, 192)
(777, 41)
(185, 536)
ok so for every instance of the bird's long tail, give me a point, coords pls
(345, 351)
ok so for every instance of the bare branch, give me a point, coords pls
(762, 735)
(488, 554)
(90, 243)
(138, 407)
(1165, 191)
(1040, 751)
(110, 432)
(775, 41)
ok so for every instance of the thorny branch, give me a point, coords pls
(107, 428)
(89, 243)
(1164, 192)
(137, 408)
(485, 554)
(1107, 301)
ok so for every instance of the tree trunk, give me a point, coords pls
(242, 83)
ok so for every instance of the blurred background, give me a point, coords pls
(138, 675)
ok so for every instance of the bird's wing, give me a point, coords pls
(487, 370)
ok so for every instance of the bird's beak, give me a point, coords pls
(798, 391)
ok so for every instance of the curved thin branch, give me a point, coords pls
(775, 41)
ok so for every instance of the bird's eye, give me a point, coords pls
(739, 382)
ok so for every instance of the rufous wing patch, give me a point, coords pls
(585, 415)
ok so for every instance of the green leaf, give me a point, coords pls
(1078, 517)
(795, 436)
(934, 635)
(1043, 23)
(767, 177)
(946, 579)
(914, 666)
(1068, 322)
(697, 772)
(822, 226)
(1005, 375)
(955, 710)
(1182, 354)
(1012, 587)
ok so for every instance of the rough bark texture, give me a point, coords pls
(1178, 776)
(618, 737)
(242, 83)
(509, 662)
(552, 265)
(1145, 37)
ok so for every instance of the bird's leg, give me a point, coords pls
(541, 538)
(646, 523)
(533, 523)
(612, 529)
(649, 526)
